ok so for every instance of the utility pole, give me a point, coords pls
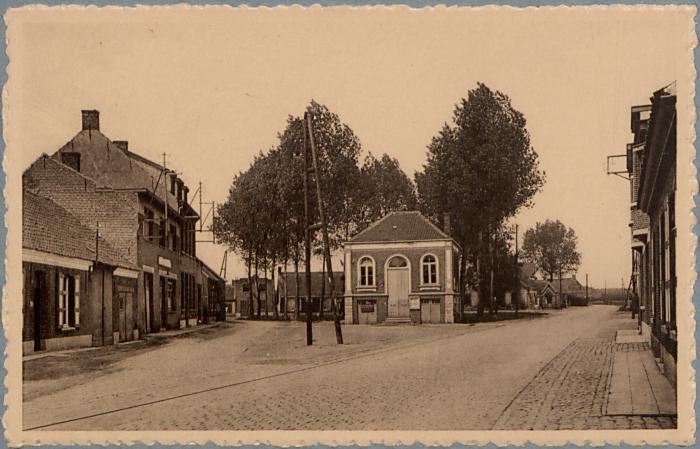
(324, 233)
(307, 240)
(605, 292)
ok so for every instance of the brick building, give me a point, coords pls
(402, 268)
(651, 163)
(288, 292)
(259, 288)
(73, 280)
(141, 209)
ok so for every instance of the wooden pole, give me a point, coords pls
(307, 241)
(324, 232)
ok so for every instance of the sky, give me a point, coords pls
(212, 87)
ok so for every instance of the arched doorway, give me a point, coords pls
(398, 286)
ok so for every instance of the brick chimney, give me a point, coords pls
(91, 120)
(447, 224)
(122, 144)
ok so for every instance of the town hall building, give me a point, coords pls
(402, 268)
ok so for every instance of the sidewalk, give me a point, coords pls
(637, 386)
(154, 336)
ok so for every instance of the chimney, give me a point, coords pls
(447, 224)
(121, 144)
(91, 120)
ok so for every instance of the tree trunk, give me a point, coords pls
(286, 293)
(250, 283)
(323, 289)
(267, 298)
(296, 289)
(257, 284)
(275, 291)
(463, 282)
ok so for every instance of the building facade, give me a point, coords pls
(141, 209)
(402, 268)
(71, 278)
(651, 162)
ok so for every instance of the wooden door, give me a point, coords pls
(122, 316)
(397, 286)
(37, 301)
(430, 310)
(434, 310)
(148, 292)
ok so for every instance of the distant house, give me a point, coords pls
(243, 291)
(76, 284)
(287, 289)
(545, 295)
(402, 268)
(528, 296)
(568, 288)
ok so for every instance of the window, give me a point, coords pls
(429, 266)
(397, 262)
(68, 301)
(366, 267)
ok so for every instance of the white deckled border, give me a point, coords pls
(687, 241)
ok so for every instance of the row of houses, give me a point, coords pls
(402, 268)
(108, 247)
(651, 164)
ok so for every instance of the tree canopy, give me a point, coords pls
(481, 170)
(551, 246)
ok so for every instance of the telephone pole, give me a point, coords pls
(307, 241)
(324, 231)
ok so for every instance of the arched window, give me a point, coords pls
(366, 275)
(430, 269)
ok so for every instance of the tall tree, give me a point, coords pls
(382, 187)
(481, 170)
(552, 247)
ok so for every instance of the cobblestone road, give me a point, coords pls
(547, 373)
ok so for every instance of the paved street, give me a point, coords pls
(541, 373)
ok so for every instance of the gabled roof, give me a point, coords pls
(401, 226)
(49, 228)
(110, 165)
(568, 285)
(541, 286)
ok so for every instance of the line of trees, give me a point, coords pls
(481, 170)
(262, 219)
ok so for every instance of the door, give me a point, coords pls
(430, 310)
(148, 292)
(122, 316)
(163, 302)
(397, 284)
(38, 293)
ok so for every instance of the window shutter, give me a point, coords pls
(76, 300)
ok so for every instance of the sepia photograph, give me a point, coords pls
(350, 225)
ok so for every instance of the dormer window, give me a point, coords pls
(366, 276)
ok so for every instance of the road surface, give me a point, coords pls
(543, 373)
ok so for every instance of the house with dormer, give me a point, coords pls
(401, 269)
